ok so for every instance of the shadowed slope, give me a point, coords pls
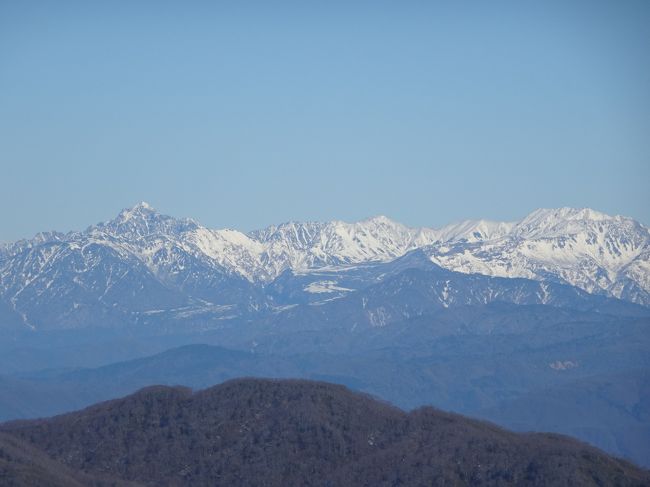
(290, 432)
(22, 465)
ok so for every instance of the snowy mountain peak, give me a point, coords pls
(567, 213)
(142, 220)
(381, 220)
(300, 233)
(578, 246)
(581, 247)
(475, 230)
(140, 211)
(144, 205)
(571, 221)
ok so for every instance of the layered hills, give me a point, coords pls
(533, 324)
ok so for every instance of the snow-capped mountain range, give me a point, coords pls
(144, 261)
(584, 248)
(581, 247)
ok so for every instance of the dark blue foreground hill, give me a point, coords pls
(290, 432)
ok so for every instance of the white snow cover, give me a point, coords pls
(582, 247)
(325, 287)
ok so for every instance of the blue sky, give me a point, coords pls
(242, 114)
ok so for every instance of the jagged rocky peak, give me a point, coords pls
(143, 220)
(300, 234)
(611, 240)
(581, 247)
(142, 210)
(382, 236)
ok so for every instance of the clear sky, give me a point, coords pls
(241, 114)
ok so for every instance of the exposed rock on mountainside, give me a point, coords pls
(584, 248)
(143, 265)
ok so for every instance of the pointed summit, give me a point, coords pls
(144, 206)
(551, 222)
(380, 220)
(143, 220)
(141, 208)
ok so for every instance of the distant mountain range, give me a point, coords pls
(528, 367)
(142, 265)
(277, 433)
(533, 324)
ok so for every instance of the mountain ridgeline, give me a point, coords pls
(539, 325)
(264, 432)
(147, 268)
